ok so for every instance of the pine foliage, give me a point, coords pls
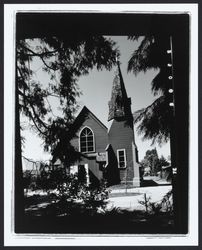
(65, 58)
(154, 120)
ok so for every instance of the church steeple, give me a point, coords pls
(120, 104)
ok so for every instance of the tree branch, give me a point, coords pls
(50, 108)
(35, 124)
(39, 54)
(21, 75)
(33, 109)
(54, 95)
(41, 57)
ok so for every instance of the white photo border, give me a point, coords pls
(12, 239)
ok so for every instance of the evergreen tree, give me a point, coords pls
(163, 162)
(155, 120)
(151, 161)
(67, 57)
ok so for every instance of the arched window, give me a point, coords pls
(86, 140)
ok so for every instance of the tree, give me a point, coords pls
(68, 58)
(163, 162)
(155, 120)
(27, 179)
(151, 161)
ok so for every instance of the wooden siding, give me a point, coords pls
(101, 141)
(121, 136)
(93, 167)
(100, 134)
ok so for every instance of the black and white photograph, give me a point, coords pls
(101, 114)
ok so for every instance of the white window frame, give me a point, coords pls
(119, 150)
(107, 159)
(80, 140)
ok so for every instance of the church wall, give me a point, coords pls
(121, 137)
(100, 135)
(101, 141)
(93, 166)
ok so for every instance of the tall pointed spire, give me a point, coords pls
(119, 105)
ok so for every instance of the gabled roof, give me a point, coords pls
(82, 115)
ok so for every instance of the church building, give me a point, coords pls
(108, 153)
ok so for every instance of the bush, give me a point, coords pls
(167, 202)
(26, 179)
(75, 197)
(154, 208)
(50, 179)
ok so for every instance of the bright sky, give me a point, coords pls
(96, 92)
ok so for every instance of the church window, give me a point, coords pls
(86, 140)
(121, 155)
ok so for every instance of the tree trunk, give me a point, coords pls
(18, 179)
(179, 141)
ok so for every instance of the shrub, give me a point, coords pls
(26, 180)
(146, 202)
(156, 207)
(50, 179)
(167, 203)
(75, 197)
